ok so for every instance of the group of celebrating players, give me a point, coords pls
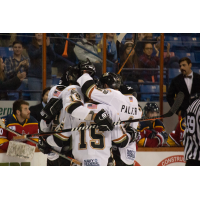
(79, 101)
(89, 120)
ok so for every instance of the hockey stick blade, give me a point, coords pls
(177, 103)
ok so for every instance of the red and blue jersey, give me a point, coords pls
(30, 126)
(149, 133)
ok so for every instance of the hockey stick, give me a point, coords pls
(54, 151)
(177, 103)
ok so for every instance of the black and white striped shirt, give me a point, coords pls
(192, 132)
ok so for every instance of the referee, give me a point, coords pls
(192, 134)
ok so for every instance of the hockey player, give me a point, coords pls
(20, 121)
(126, 106)
(72, 104)
(175, 138)
(53, 114)
(151, 133)
(92, 146)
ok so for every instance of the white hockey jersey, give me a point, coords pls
(73, 101)
(126, 106)
(92, 147)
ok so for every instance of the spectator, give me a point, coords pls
(21, 121)
(35, 70)
(111, 39)
(149, 61)
(151, 133)
(133, 59)
(144, 38)
(11, 84)
(187, 82)
(35, 110)
(131, 63)
(88, 42)
(17, 62)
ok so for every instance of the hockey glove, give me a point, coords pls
(87, 66)
(162, 137)
(52, 108)
(43, 146)
(103, 121)
(165, 136)
(152, 134)
(65, 149)
(133, 133)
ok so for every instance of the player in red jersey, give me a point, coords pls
(21, 122)
(152, 133)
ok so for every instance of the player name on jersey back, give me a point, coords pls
(129, 110)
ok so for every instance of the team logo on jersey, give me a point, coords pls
(75, 96)
(105, 91)
(91, 162)
(13, 128)
(56, 93)
(131, 99)
(130, 154)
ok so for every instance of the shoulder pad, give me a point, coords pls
(158, 123)
(142, 125)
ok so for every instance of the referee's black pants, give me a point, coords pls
(192, 163)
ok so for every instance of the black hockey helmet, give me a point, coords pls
(87, 66)
(150, 107)
(70, 75)
(112, 80)
(126, 89)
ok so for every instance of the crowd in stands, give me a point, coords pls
(142, 67)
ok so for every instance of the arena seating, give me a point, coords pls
(188, 54)
(150, 89)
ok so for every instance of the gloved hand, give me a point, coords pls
(52, 108)
(65, 149)
(103, 121)
(152, 134)
(87, 66)
(162, 137)
(165, 136)
(132, 132)
(43, 146)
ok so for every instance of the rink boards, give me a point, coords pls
(145, 157)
